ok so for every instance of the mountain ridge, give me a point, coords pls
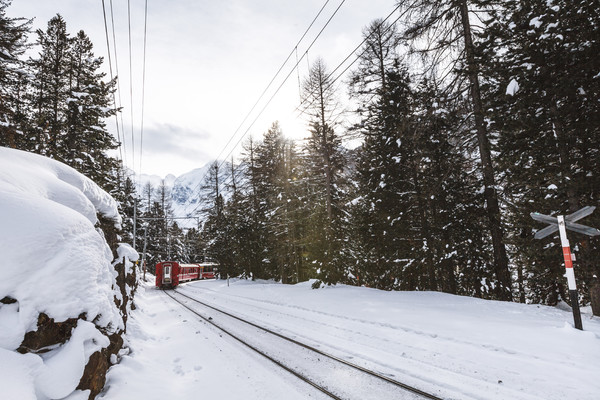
(186, 190)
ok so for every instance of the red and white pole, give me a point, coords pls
(570, 273)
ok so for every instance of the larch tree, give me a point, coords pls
(324, 163)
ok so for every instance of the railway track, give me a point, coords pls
(335, 377)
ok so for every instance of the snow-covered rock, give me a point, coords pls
(57, 264)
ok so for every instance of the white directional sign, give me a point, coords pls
(569, 223)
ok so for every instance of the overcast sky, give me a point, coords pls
(207, 63)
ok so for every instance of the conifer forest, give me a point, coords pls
(467, 116)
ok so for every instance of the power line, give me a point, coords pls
(111, 78)
(143, 84)
(270, 83)
(273, 79)
(284, 80)
(353, 52)
(112, 18)
(279, 88)
(131, 86)
(349, 56)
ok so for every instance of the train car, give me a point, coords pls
(208, 271)
(169, 274)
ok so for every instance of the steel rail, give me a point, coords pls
(308, 347)
(296, 374)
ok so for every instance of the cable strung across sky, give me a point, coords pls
(205, 64)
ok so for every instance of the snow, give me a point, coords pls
(56, 262)
(185, 190)
(536, 22)
(176, 357)
(454, 347)
(512, 87)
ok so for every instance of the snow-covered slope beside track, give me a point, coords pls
(451, 346)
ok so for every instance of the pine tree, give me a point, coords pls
(13, 36)
(251, 229)
(383, 208)
(50, 84)
(542, 89)
(88, 106)
(156, 249)
(447, 24)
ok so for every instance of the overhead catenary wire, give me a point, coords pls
(333, 81)
(121, 144)
(120, 104)
(273, 79)
(131, 85)
(143, 86)
(298, 61)
(224, 184)
(269, 85)
(342, 73)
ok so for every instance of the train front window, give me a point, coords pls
(167, 272)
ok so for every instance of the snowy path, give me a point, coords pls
(453, 347)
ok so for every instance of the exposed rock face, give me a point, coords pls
(94, 375)
(48, 334)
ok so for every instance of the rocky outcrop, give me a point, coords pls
(94, 375)
(48, 334)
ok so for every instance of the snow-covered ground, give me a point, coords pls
(453, 347)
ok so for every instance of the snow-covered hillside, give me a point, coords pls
(186, 189)
(451, 346)
(55, 264)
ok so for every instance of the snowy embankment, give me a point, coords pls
(451, 346)
(57, 274)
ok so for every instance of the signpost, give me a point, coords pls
(561, 224)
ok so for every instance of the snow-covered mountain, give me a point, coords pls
(186, 190)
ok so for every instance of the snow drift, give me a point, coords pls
(57, 263)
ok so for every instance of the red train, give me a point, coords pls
(171, 273)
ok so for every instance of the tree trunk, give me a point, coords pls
(503, 278)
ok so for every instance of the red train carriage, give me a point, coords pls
(208, 270)
(171, 273)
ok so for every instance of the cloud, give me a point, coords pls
(174, 149)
